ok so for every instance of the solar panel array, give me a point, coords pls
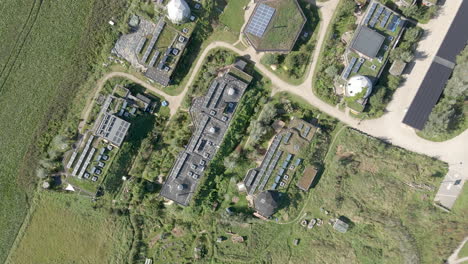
(72, 159)
(386, 17)
(270, 169)
(86, 164)
(155, 37)
(140, 45)
(358, 65)
(287, 137)
(260, 20)
(369, 14)
(209, 95)
(179, 165)
(266, 161)
(217, 97)
(348, 69)
(392, 25)
(305, 133)
(199, 131)
(154, 58)
(376, 16)
(252, 175)
(83, 155)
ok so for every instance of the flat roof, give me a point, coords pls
(457, 36)
(113, 129)
(211, 114)
(368, 42)
(427, 95)
(437, 76)
(307, 178)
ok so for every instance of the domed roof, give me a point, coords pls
(266, 203)
(178, 11)
(357, 84)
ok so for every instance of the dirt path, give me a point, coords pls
(389, 127)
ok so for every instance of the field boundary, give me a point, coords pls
(22, 231)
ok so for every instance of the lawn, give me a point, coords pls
(66, 229)
(233, 14)
(47, 49)
(294, 66)
(283, 28)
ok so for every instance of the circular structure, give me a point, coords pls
(180, 187)
(357, 84)
(266, 203)
(178, 11)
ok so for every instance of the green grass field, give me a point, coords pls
(233, 14)
(47, 50)
(66, 229)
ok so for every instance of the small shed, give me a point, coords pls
(340, 226)
(397, 68)
(307, 178)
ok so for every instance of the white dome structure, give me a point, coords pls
(357, 84)
(178, 11)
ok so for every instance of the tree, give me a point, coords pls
(270, 58)
(410, 11)
(331, 71)
(401, 53)
(377, 99)
(412, 34)
(230, 161)
(268, 113)
(442, 119)
(257, 130)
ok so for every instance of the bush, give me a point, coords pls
(270, 58)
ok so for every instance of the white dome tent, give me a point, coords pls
(178, 11)
(357, 84)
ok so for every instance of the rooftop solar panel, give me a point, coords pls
(392, 25)
(348, 68)
(358, 65)
(427, 96)
(260, 20)
(385, 19)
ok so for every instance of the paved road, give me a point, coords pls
(389, 127)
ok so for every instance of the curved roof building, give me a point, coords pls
(266, 203)
(357, 84)
(178, 11)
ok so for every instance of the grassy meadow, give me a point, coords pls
(48, 50)
(233, 14)
(66, 229)
(385, 192)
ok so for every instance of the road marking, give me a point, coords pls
(447, 195)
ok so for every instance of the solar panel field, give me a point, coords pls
(47, 50)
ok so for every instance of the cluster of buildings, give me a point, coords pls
(280, 163)
(367, 53)
(211, 115)
(156, 48)
(88, 160)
